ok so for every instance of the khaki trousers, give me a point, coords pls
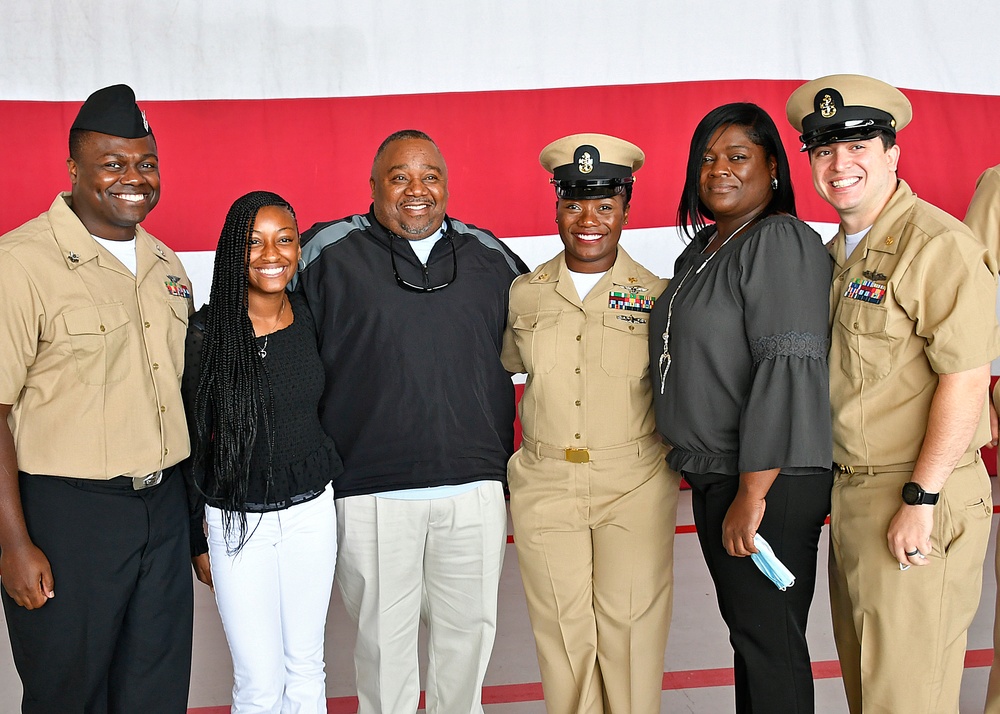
(595, 546)
(901, 635)
(436, 560)
(993, 689)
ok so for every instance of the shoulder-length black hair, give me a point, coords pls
(233, 388)
(760, 129)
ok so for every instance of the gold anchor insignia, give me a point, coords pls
(586, 163)
(827, 107)
(633, 280)
(543, 276)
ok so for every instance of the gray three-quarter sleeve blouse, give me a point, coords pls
(748, 384)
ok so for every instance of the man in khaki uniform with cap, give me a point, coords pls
(592, 500)
(913, 333)
(94, 531)
(983, 218)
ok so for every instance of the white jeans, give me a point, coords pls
(438, 560)
(273, 597)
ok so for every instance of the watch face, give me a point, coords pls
(911, 493)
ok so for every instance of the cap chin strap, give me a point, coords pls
(848, 131)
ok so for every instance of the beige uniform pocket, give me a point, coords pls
(625, 348)
(99, 338)
(536, 337)
(865, 352)
(177, 331)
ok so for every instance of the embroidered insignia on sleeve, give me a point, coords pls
(866, 291)
(632, 301)
(177, 288)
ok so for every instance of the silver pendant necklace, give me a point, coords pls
(262, 350)
(665, 359)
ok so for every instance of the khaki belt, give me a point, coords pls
(583, 456)
(967, 458)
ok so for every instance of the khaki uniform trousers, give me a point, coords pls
(901, 635)
(595, 547)
(993, 689)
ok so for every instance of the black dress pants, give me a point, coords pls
(767, 626)
(116, 638)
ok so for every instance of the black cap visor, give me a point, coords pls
(590, 188)
(853, 130)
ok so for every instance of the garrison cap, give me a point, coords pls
(591, 165)
(843, 107)
(113, 111)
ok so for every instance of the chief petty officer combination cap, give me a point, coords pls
(591, 165)
(113, 111)
(846, 107)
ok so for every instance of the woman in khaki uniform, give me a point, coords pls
(592, 500)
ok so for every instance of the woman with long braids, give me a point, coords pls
(261, 465)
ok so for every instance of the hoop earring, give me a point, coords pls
(774, 183)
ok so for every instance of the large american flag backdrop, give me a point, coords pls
(295, 97)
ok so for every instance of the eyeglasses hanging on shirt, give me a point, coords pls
(426, 287)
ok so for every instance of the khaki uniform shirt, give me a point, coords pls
(587, 361)
(983, 217)
(914, 300)
(91, 356)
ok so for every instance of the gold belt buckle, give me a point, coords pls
(578, 456)
(141, 482)
(844, 469)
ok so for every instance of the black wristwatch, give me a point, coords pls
(914, 495)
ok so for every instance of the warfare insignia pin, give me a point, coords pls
(632, 319)
(627, 300)
(586, 163)
(177, 288)
(875, 276)
(826, 106)
(632, 288)
(73, 257)
(865, 291)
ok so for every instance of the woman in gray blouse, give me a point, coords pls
(738, 345)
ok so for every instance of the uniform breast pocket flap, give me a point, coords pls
(625, 352)
(98, 336)
(536, 335)
(865, 352)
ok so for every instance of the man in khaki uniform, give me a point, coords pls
(913, 333)
(592, 500)
(93, 516)
(983, 218)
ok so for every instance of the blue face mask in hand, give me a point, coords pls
(768, 563)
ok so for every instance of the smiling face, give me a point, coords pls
(590, 230)
(856, 177)
(116, 183)
(735, 179)
(410, 188)
(274, 250)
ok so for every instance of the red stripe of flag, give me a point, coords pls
(318, 152)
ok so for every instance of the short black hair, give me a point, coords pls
(760, 129)
(399, 136)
